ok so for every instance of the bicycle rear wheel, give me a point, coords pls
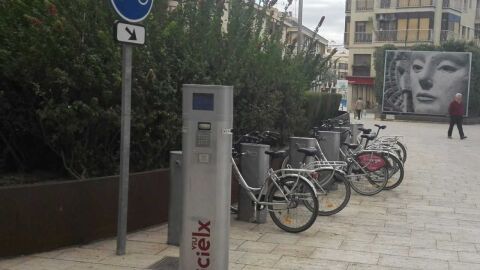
(290, 212)
(365, 181)
(333, 195)
(402, 151)
(395, 172)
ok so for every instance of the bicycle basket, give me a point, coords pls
(371, 161)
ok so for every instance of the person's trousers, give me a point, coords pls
(456, 120)
(358, 113)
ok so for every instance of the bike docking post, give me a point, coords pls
(296, 158)
(254, 168)
(355, 132)
(343, 134)
(175, 200)
(207, 173)
(329, 141)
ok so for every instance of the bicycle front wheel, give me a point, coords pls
(366, 181)
(294, 205)
(332, 195)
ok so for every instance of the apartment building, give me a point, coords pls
(403, 23)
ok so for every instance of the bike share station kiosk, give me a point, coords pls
(207, 152)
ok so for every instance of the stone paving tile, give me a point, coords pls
(293, 250)
(375, 248)
(131, 246)
(257, 247)
(259, 259)
(436, 254)
(84, 255)
(333, 242)
(44, 264)
(358, 266)
(463, 266)
(346, 255)
(414, 263)
(131, 260)
(288, 262)
(469, 257)
(456, 246)
(8, 263)
(96, 266)
(235, 243)
(279, 238)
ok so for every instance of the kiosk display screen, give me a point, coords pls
(202, 102)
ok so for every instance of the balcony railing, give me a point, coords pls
(364, 5)
(453, 4)
(387, 4)
(361, 70)
(404, 36)
(362, 37)
(415, 3)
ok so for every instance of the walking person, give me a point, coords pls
(358, 108)
(456, 112)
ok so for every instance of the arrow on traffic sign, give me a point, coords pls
(133, 36)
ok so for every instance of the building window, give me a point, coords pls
(361, 65)
(385, 3)
(343, 66)
(364, 5)
(477, 31)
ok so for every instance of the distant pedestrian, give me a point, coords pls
(456, 112)
(359, 105)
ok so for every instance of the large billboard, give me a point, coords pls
(425, 82)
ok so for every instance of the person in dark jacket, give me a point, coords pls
(456, 112)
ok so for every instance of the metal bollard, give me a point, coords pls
(296, 158)
(329, 142)
(254, 168)
(343, 134)
(175, 200)
(355, 132)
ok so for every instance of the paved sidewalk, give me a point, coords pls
(431, 221)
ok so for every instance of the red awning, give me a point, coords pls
(360, 80)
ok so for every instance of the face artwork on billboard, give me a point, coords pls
(425, 82)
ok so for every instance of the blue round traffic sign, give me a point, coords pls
(132, 10)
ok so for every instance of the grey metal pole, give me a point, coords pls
(124, 148)
(300, 26)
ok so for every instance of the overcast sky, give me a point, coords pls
(313, 10)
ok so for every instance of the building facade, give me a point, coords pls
(403, 23)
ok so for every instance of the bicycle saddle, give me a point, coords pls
(368, 136)
(381, 126)
(309, 152)
(276, 154)
(350, 145)
(365, 130)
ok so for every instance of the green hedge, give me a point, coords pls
(321, 106)
(60, 80)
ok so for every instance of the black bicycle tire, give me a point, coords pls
(278, 222)
(404, 151)
(402, 173)
(349, 170)
(337, 178)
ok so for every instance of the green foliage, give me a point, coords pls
(321, 106)
(60, 80)
(449, 46)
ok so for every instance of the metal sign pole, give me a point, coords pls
(124, 148)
